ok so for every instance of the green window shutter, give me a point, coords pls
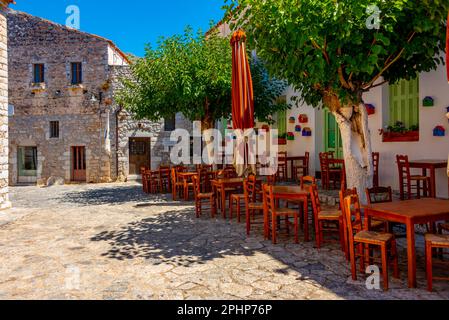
(282, 122)
(404, 103)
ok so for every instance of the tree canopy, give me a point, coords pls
(342, 48)
(192, 74)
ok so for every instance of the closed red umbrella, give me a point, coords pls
(242, 91)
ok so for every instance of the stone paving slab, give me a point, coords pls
(114, 242)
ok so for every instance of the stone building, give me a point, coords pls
(4, 200)
(64, 124)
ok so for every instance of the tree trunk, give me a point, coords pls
(353, 122)
(208, 123)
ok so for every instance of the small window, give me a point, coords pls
(38, 73)
(77, 73)
(170, 124)
(54, 129)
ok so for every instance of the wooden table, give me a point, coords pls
(295, 194)
(410, 213)
(432, 166)
(291, 160)
(186, 177)
(222, 184)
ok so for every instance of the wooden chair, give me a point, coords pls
(153, 181)
(226, 173)
(237, 199)
(164, 179)
(362, 243)
(376, 163)
(282, 173)
(251, 204)
(325, 217)
(273, 212)
(307, 181)
(177, 185)
(343, 194)
(443, 227)
(380, 195)
(406, 180)
(438, 242)
(302, 169)
(328, 173)
(203, 198)
(144, 179)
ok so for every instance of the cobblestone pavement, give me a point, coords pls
(114, 242)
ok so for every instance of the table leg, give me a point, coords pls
(433, 184)
(223, 201)
(292, 171)
(306, 221)
(411, 253)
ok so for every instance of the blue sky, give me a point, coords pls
(133, 26)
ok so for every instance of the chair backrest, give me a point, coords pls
(227, 173)
(324, 163)
(271, 180)
(403, 167)
(250, 189)
(315, 197)
(196, 186)
(344, 194)
(352, 214)
(307, 181)
(282, 158)
(174, 176)
(204, 180)
(376, 163)
(307, 160)
(379, 195)
(268, 198)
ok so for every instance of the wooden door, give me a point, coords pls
(332, 135)
(79, 164)
(139, 154)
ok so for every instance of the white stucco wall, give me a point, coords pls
(432, 84)
(114, 58)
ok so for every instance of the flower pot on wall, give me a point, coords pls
(439, 131)
(428, 102)
(303, 118)
(298, 128)
(292, 120)
(290, 136)
(307, 132)
(370, 108)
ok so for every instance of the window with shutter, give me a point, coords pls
(404, 103)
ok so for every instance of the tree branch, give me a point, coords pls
(388, 64)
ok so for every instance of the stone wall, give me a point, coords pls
(80, 109)
(4, 200)
(129, 127)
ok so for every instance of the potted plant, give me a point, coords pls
(399, 133)
(282, 139)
